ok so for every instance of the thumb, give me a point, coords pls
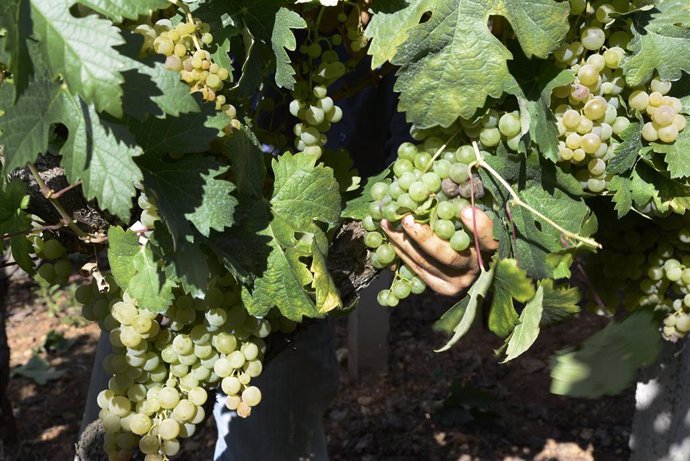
(483, 231)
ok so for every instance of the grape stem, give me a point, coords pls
(440, 151)
(49, 194)
(190, 20)
(519, 202)
(33, 229)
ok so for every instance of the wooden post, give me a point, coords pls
(368, 327)
(661, 425)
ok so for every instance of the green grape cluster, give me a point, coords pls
(650, 266)
(662, 111)
(591, 112)
(183, 46)
(163, 365)
(312, 105)
(431, 181)
(56, 268)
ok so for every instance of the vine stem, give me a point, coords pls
(48, 193)
(519, 202)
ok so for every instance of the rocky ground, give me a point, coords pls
(459, 405)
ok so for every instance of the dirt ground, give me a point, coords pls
(459, 405)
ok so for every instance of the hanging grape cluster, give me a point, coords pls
(56, 268)
(311, 104)
(163, 366)
(183, 47)
(647, 266)
(591, 112)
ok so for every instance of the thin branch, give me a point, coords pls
(59, 193)
(48, 194)
(519, 202)
(52, 227)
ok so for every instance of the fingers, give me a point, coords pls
(444, 285)
(404, 246)
(435, 246)
(484, 230)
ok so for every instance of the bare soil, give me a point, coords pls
(461, 405)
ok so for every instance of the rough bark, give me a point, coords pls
(8, 428)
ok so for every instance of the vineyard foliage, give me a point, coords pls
(198, 132)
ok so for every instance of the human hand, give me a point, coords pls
(444, 270)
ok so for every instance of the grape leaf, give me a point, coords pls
(81, 51)
(676, 154)
(628, 152)
(535, 81)
(459, 318)
(607, 362)
(187, 134)
(244, 248)
(388, 30)
(283, 38)
(102, 159)
(13, 200)
(155, 90)
(136, 269)
(94, 151)
(189, 192)
(304, 193)
(527, 330)
(510, 282)
(247, 163)
(357, 207)
(657, 45)
(117, 10)
(15, 18)
(559, 303)
(452, 63)
(537, 239)
(622, 197)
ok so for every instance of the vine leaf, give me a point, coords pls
(151, 89)
(189, 192)
(283, 38)
(136, 269)
(676, 154)
(97, 152)
(658, 45)
(607, 362)
(537, 241)
(527, 330)
(389, 30)
(452, 63)
(81, 50)
(510, 282)
(458, 319)
(304, 193)
(15, 18)
(14, 199)
(627, 152)
(117, 10)
(189, 133)
(559, 302)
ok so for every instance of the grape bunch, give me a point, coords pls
(432, 182)
(649, 264)
(163, 366)
(312, 105)
(183, 46)
(56, 268)
(591, 112)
